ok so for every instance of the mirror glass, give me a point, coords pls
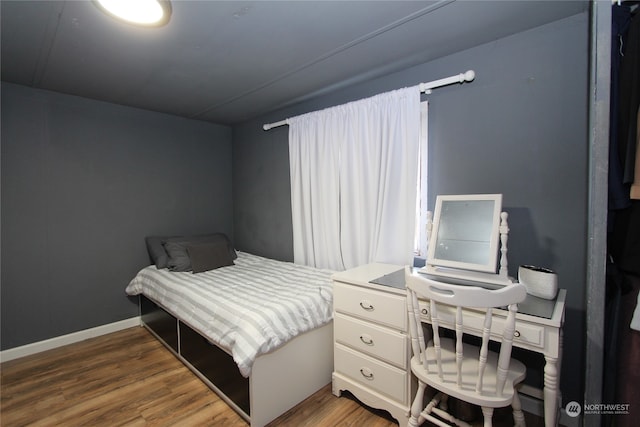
(465, 232)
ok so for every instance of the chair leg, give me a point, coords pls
(416, 406)
(488, 415)
(518, 415)
(444, 403)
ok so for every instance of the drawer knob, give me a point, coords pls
(366, 305)
(424, 311)
(366, 372)
(366, 339)
(516, 334)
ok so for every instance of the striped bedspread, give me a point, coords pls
(249, 309)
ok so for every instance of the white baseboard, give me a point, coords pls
(37, 347)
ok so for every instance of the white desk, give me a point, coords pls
(538, 334)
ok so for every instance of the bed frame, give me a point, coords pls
(279, 380)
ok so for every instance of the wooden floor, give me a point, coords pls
(129, 379)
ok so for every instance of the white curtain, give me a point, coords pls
(353, 181)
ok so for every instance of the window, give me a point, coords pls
(420, 241)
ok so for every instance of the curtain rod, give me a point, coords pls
(424, 88)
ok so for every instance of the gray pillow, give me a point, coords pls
(178, 256)
(157, 254)
(176, 248)
(208, 256)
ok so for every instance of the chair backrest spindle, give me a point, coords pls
(435, 322)
(415, 329)
(505, 349)
(459, 349)
(482, 360)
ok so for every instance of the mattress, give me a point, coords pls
(249, 309)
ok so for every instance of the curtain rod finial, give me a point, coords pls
(268, 126)
(469, 75)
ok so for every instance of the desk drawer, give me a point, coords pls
(371, 373)
(380, 307)
(381, 343)
(526, 334)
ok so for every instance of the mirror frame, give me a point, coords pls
(492, 265)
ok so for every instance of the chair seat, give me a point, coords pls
(466, 391)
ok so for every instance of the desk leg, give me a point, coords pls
(550, 391)
(560, 340)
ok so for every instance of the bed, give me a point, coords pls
(257, 331)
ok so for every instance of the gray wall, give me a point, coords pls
(83, 182)
(519, 129)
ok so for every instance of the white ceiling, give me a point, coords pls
(229, 61)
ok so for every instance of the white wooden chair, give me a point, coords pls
(453, 367)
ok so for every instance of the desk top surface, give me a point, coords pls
(391, 277)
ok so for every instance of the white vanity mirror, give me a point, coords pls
(465, 239)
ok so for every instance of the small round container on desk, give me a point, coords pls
(539, 282)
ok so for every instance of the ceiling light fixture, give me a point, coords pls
(148, 13)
